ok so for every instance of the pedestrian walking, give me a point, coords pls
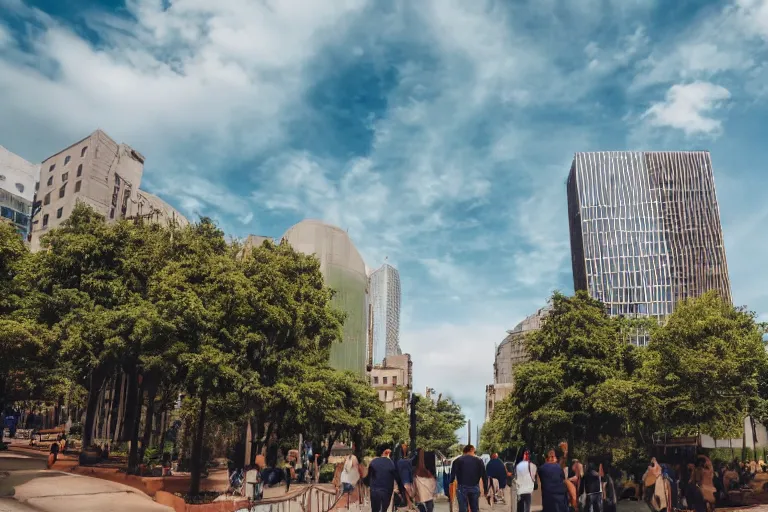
(350, 475)
(592, 487)
(405, 468)
(425, 485)
(554, 493)
(382, 476)
(469, 472)
(525, 481)
(497, 475)
(54, 453)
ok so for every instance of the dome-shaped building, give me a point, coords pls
(344, 271)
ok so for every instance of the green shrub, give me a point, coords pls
(326, 473)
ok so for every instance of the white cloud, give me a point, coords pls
(686, 107)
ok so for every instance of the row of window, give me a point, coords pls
(385, 379)
(65, 176)
(14, 216)
(59, 214)
(62, 192)
(68, 158)
(19, 186)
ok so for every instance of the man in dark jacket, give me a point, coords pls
(554, 496)
(469, 472)
(497, 471)
(382, 476)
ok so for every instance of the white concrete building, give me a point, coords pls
(18, 179)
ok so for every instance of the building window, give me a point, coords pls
(45, 220)
(67, 159)
(385, 380)
(79, 170)
(375, 380)
(65, 176)
(47, 199)
(20, 187)
(77, 186)
(385, 393)
(394, 380)
(62, 190)
(59, 212)
(83, 151)
(50, 181)
(52, 167)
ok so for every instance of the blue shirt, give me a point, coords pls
(383, 475)
(405, 468)
(496, 469)
(552, 479)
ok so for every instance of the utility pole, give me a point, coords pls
(469, 431)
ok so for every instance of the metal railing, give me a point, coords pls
(313, 498)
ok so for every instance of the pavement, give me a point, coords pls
(27, 485)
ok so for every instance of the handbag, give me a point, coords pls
(535, 480)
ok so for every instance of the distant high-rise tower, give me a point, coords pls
(384, 297)
(645, 230)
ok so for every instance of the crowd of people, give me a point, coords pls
(401, 478)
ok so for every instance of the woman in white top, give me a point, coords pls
(525, 478)
(350, 475)
(425, 486)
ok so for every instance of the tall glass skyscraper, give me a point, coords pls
(384, 296)
(645, 230)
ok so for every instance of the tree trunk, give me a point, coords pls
(131, 405)
(133, 454)
(197, 449)
(94, 393)
(117, 421)
(331, 440)
(148, 422)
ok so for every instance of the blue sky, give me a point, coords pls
(438, 132)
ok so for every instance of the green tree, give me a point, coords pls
(578, 353)
(436, 425)
(706, 364)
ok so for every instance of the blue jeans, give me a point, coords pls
(469, 495)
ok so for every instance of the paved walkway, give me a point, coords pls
(26, 485)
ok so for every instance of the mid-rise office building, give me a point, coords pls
(102, 174)
(393, 381)
(18, 179)
(384, 300)
(344, 271)
(509, 355)
(645, 230)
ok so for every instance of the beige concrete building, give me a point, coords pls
(104, 175)
(152, 208)
(344, 271)
(393, 380)
(509, 354)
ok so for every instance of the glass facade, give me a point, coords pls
(384, 296)
(16, 210)
(344, 271)
(645, 230)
